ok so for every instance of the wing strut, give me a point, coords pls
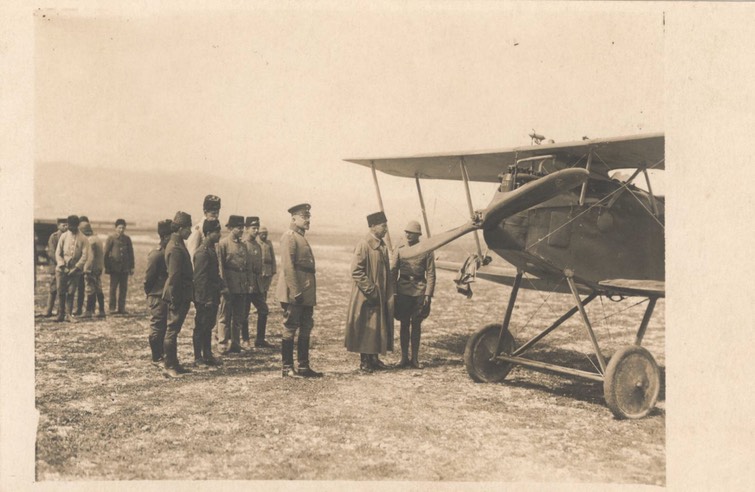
(422, 205)
(380, 202)
(465, 177)
(584, 185)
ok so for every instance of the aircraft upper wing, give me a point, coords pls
(616, 153)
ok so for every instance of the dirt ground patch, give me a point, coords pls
(107, 413)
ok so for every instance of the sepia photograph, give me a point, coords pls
(402, 244)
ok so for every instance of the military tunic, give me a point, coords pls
(178, 293)
(233, 260)
(207, 287)
(257, 293)
(154, 284)
(416, 279)
(268, 264)
(298, 269)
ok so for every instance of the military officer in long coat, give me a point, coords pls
(256, 292)
(296, 292)
(179, 289)
(154, 285)
(415, 288)
(208, 287)
(369, 321)
(233, 258)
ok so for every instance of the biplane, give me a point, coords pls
(559, 216)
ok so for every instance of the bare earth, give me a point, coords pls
(107, 413)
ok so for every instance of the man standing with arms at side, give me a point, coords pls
(256, 292)
(268, 271)
(211, 210)
(119, 263)
(415, 288)
(296, 293)
(93, 272)
(233, 259)
(52, 246)
(369, 321)
(154, 285)
(71, 255)
(179, 289)
(208, 287)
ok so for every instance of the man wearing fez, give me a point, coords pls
(256, 292)
(233, 259)
(93, 269)
(207, 290)
(415, 287)
(71, 256)
(211, 210)
(119, 263)
(52, 245)
(369, 321)
(268, 260)
(178, 291)
(154, 285)
(296, 293)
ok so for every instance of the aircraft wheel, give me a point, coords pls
(632, 382)
(480, 349)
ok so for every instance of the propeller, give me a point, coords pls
(505, 205)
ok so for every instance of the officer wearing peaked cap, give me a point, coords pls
(179, 289)
(154, 284)
(296, 292)
(415, 288)
(233, 258)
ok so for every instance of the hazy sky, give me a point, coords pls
(281, 94)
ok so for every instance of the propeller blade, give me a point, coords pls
(505, 205)
(438, 240)
(531, 194)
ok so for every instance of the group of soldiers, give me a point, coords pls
(224, 277)
(79, 260)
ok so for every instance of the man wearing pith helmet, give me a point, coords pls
(296, 292)
(179, 289)
(415, 288)
(369, 320)
(233, 258)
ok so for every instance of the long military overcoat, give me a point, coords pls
(369, 320)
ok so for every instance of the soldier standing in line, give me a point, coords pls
(268, 260)
(233, 258)
(415, 288)
(296, 293)
(154, 285)
(208, 287)
(93, 269)
(369, 320)
(119, 263)
(211, 210)
(256, 291)
(178, 291)
(52, 245)
(80, 288)
(71, 255)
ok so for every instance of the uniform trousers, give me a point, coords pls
(158, 323)
(258, 299)
(176, 315)
(68, 282)
(298, 318)
(80, 289)
(204, 321)
(53, 294)
(235, 306)
(119, 283)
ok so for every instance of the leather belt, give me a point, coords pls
(411, 278)
(305, 269)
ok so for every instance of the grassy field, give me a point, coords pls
(107, 413)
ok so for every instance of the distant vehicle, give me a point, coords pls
(43, 229)
(558, 215)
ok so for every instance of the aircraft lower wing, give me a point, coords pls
(644, 288)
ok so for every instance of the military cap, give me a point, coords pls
(235, 221)
(211, 202)
(302, 207)
(376, 218)
(210, 226)
(120, 222)
(62, 220)
(252, 221)
(163, 227)
(413, 226)
(73, 221)
(86, 228)
(83, 218)
(182, 219)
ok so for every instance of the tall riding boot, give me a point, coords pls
(50, 303)
(416, 334)
(404, 344)
(261, 328)
(287, 354)
(91, 300)
(171, 354)
(209, 359)
(101, 304)
(196, 339)
(302, 350)
(61, 305)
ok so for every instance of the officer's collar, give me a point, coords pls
(296, 228)
(373, 241)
